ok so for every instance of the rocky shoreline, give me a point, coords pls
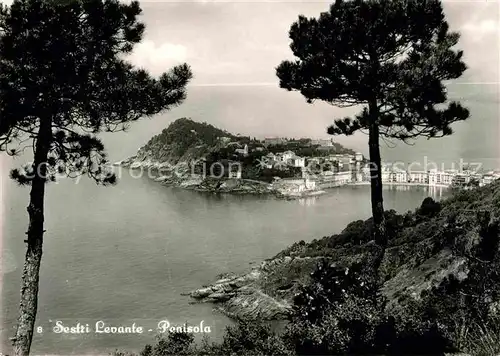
(180, 176)
(266, 292)
(425, 251)
(243, 296)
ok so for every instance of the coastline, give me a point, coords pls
(397, 184)
(182, 178)
(416, 260)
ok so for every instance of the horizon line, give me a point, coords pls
(248, 84)
(267, 84)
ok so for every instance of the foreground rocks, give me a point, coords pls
(266, 292)
(240, 297)
(425, 248)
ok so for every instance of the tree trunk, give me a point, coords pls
(29, 288)
(379, 232)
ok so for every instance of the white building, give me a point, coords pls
(310, 184)
(418, 177)
(289, 158)
(322, 142)
(313, 160)
(343, 177)
(242, 151)
(488, 178)
(268, 161)
(460, 179)
(440, 178)
(297, 185)
(400, 176)
(338, 178)
(297, 161)
(337, 157)
(432, 177)
(271, 156)
(286, 156)
(386, 173)
(274, 141)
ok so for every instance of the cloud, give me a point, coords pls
(479, 29)
(158, 58)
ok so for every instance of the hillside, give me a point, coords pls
(199, 156)
(183, 140)
(427, 247)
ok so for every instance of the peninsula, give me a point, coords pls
(201, 157)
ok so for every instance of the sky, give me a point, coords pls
(240, 43)
(234, 47)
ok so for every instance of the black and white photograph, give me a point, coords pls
(249, 177)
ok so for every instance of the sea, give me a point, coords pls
(124, 255)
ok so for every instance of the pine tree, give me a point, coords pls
(388, 56)
(63, 79)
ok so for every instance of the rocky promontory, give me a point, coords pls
(199, 156)
(266, 292)
(427, 247)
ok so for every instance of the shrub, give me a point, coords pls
(481, 339)
(342, 312)
(251, 338)
(429, 208)
(177, 343)
(356, 232)
(248, 339)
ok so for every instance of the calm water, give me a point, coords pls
(125, 253)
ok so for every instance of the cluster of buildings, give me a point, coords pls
(283, 159)
(290, 186)
(348, 170)
(434, 177)
(343, 169)
(334, 171)
(357, 173)
(270, 141)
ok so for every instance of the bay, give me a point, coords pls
(124, 254)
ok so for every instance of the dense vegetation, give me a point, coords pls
(389, 58)
(186, 140)
(186, 132)
(305, 149)
(340, 308)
